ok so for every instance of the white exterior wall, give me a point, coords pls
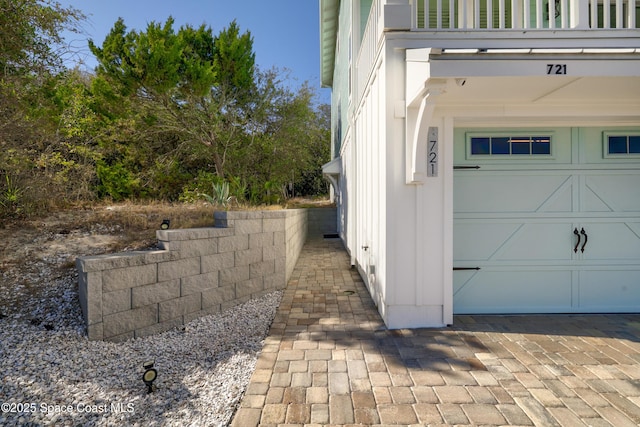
(418, 226)
(413, 250)
(341, 129)
(407, 228)
(369, 243)
(409, 277)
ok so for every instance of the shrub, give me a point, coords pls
(115, 181)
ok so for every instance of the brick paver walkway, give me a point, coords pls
(329, 360)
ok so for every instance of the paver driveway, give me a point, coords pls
(329, 360)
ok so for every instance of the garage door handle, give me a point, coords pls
(585, 239)
(575, 231)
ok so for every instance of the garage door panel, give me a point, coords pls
(538, 242)
(610, 290)
(612, 241)
(509, 193)
(513, 292)
(561, 200)
(612, 192)
(515, 217)
(516, 242)
(592, 202)
(479, 241)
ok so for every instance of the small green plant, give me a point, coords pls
(11, 196)
(238, 188)
(273, 192)
(220, 194)
(192, 192)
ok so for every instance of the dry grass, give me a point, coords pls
(131, 225)
(150, 215)
(299, 203)
(139, 222)
(36, 250)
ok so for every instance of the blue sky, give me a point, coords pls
(285, 32)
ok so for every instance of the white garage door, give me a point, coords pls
(547, 221)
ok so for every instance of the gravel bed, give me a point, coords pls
(51, 374)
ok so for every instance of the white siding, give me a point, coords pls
(370, 190)
(405, 225)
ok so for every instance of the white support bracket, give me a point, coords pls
(332, 171)
(421, 97)
(418, 120)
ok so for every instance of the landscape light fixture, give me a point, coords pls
(165, 224)
(150, 375)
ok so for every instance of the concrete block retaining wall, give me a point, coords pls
(198, 272)
(322, 221)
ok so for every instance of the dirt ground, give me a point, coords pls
(88, 231)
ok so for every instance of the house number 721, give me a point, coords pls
(556, 68)
(432, 152)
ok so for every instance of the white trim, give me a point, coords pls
(617, 156)
(510, 157)
(447, 160)
(490, 62)
(524, 67)
(562, 51)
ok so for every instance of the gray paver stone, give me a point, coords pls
(340, 409)
(483, 414)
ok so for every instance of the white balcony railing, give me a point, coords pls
(525, 14)
(368, 46)
(496, 15)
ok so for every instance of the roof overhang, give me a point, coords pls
(334, 167)
(332, 171)
(329, 12)
(525, 76)
(574, 84)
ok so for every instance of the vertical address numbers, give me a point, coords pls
(432, 152)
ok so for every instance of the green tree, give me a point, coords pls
(30, 40)
(234, 64)
(288, 139)
(30, 58)
(187, 84)
(184, 104)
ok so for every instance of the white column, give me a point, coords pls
(579, 14)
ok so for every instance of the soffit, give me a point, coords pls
(329, 13)
(543, 90)
(611, 76)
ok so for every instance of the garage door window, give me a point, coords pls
(507, 146)
(622, 144)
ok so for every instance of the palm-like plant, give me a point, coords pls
(219, 195)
